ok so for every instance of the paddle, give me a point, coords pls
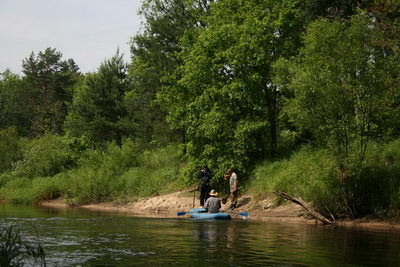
(194, 197)
(245, 214)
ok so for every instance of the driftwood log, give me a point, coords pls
(305, 206)
(192, 189)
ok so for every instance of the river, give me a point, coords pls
(76, 237)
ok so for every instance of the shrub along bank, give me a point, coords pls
(53, 166)
(312, 174)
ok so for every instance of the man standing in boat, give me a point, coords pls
(233, 186)
(204, 177)
(213, 203)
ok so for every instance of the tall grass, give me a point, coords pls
(14, 251)
(118, 174)
(312, 174)
(157, 172)
(45, 156)
(309, 174)
(377, 189)
(23, 190)
(49, 168)
(98, 171)
(10, 148)
(114, 172)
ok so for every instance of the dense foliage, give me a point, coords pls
(97, 106)
(301, 96)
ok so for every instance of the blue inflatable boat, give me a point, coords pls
(202, 214)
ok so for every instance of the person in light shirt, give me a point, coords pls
(233, 185)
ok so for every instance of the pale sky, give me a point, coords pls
(88, 31)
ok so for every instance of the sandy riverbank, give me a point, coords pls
(169, 204)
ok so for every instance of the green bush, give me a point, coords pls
(17, 190)
(23, 190)
(376, 189)
(114, 172)
(121, 172)
(99, 170)
(89, 185)
(369, 188)
(5, 178)
(45, 156)
(10, 148)
(158, 172)
(309, 174)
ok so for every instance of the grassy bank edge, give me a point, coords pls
(123, 175)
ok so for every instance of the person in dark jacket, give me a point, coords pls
(204, 177)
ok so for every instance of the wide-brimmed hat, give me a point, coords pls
(213, 193)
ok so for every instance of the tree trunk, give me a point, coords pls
(305, 206)
(271, 106)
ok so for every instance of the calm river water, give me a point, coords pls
(74, 237)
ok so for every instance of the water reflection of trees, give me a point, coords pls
(324, 246)
(219, 241)
(240, 243)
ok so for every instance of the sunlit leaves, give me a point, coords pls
(223, 95)
(98, 103)
(48, 89)
(339, 83)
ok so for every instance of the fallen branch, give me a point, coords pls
(190, 190)
(305, 206)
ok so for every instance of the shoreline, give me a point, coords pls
(169, 204)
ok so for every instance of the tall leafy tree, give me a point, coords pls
(48, 82)
(340, 83)
(386, 15)
(97, 106)
(224, 97)
(155, 56)
(345, 91)
(10, 148)
(13, 103)
(332, 8)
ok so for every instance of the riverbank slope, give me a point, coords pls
(168, 205)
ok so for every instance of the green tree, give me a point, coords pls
(155, 56)
(97, 106)
(13, 108)
(44, 156)
(48, 83)
(224, 96)
(343, 93)
(387, 17)
(10, 149)
(340, 83)
(328, 8)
